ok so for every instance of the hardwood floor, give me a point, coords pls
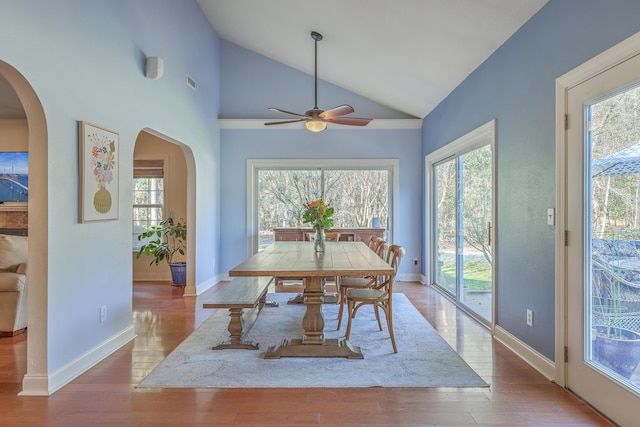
(105, 395)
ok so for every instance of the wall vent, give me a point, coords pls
(191, 82)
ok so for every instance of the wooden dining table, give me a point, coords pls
(299, 259)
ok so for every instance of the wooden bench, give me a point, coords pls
(240, 294)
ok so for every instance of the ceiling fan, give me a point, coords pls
(316, 119)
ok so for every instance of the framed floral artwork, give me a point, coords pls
(98, 167)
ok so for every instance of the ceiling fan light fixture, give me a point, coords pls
(316, 125)
(316, 119)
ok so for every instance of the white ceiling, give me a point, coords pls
(405, 54)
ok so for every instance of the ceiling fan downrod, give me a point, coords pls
(317, 37)
(316, 119)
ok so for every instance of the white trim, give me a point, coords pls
(41, 385)
(409, 277)
(374, 124)
(479, 137)
(560, 255)
(254, 164)
(209, 283)
(35, 385)
(537, 361)
(599, 64)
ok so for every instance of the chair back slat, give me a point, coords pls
(394, 256)
(379, 247)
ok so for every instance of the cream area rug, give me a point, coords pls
(424, 359)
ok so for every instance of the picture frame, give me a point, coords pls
(98, 183)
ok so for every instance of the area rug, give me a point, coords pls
(424, 359)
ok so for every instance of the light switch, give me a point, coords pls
(551, 216)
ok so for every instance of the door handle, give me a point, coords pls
(489, 233)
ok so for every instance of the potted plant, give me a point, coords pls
(614, 346)
(166, 241)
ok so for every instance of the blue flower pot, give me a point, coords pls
(178, 273)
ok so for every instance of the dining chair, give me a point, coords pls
(380, 295)
(372, 242)
(330, 236)
(343, 283)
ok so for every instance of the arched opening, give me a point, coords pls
(35, 381)
(178, 165)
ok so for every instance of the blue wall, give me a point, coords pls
(85, 61)
(250, 84)
(239, 145)
(516, 86)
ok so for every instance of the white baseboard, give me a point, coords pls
(45, 385)
(539, 362)
(35, 385)
(210, 283)
(410, 277)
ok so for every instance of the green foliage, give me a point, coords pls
(614, 126)
(168, 238)
(318, 214)
(464, 200)
(477, 275)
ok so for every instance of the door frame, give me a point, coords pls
(483, 135)
(600, 63)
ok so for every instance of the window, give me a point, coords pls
(148, 197)
(359, 190)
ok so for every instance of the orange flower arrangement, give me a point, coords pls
(318, 214)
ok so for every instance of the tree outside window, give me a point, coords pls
(358, 195)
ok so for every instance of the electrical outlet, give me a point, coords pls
(103, 313)
(529, 317)
(415, 261)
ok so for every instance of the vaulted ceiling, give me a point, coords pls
(405, 54)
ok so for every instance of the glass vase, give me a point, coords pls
(319, 240)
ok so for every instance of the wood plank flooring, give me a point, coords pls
(105, 395)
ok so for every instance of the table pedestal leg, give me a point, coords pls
(328, 298)
(313, 343)
(235, 328)
(313, 321)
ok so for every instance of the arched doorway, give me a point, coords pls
(179, 198)
(35, 381)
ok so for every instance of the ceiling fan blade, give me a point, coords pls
(284, 122)
(286, 112)
(351, 121)
(341, 110)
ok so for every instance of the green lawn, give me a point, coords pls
(477, 275)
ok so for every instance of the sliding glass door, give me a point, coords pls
(461, 231)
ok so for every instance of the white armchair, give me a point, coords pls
(13, 285)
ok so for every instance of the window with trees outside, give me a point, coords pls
(358, 192)
(460, 182)
(148, 197)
